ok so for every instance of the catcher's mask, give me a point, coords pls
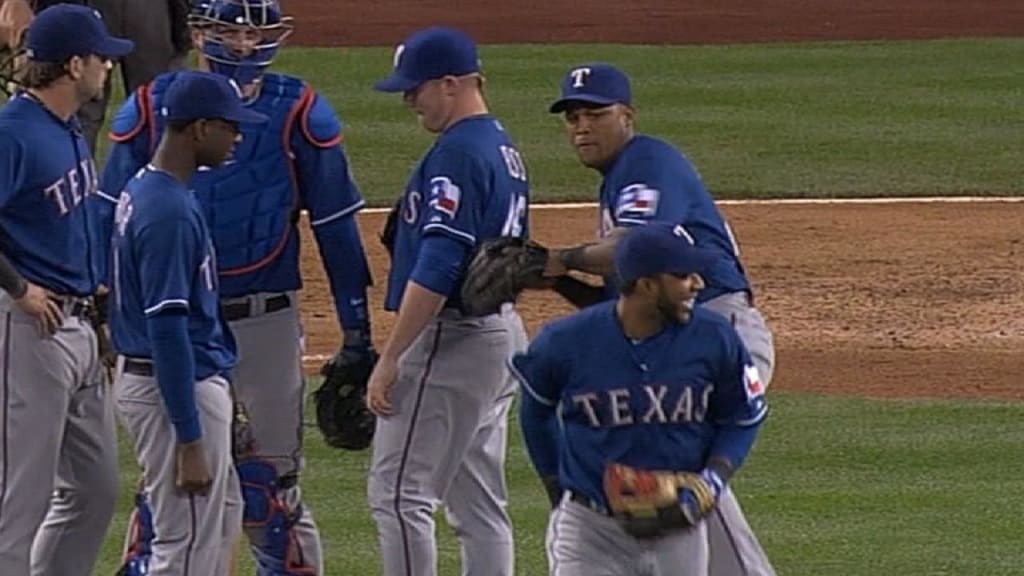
(12, 65)
(240, 38)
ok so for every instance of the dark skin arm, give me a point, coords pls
(593, 258)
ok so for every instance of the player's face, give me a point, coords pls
(217, 141)
(90, 74)
(598, 134)
(432, 103)
(675, 295)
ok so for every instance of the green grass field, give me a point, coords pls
(759, 121)
(836, 486)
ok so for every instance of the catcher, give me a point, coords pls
(638, 412)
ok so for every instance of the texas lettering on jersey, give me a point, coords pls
(644, 404)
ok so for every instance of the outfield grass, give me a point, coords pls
(836, 119)
(835, 487)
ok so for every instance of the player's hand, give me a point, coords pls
(378, 391)
(42, 305)
(193, 475)
(554, 266)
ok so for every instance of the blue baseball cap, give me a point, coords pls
(195, 95)
(601, 84)
(65, 30)
(428, 55)
(659, 248)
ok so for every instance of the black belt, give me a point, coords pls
(243, 308)
(586, 501)
(76, 305)
(138, 367)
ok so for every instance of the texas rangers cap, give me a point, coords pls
(659, 248)
(65, 30)
(430, 54)
(195, 95)
(601, 84)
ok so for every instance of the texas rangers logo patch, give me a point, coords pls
(637, 201)
(444, 196)
(752, 382)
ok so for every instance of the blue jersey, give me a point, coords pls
(471, 186)
(654, 405)
(163, 258)
(251, 203)
(652, 180)
(49, 208)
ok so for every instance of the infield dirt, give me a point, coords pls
(904, 299)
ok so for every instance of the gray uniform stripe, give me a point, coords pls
(405, 449)
(7, 399)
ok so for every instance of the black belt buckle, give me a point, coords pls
(241, 310)
(138, 367)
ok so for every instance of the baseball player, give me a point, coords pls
(159, 31)
(58, 450)
(172, 385)
(252, 204)
(644, 407)
(441, 388)
(646, 179)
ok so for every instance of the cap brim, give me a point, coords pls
(396, 83)
(699, 261)
(115, 47)
(561, 105)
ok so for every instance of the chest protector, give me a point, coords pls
(251, 203)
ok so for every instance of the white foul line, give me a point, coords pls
(792, 201)
(771, 202)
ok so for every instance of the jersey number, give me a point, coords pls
(514, 162)
(514, 219)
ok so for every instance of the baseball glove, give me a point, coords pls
(341, 412)
(649, 503)
(501, 269)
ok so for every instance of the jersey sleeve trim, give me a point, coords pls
(164, 304)
(307, 102)
(755, 419)
(143, 100)
(340, 213)
(445, 229)
(634, 221)
(106, 196)
(526, 385)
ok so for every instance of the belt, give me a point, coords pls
(587, 502)
(243, 308)
(138, 367)
(76, 305)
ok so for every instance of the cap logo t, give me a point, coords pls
(579, 77)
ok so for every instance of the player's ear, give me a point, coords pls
(75, 67)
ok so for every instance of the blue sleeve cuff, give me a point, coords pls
(174, 366)
(439, 263)
(347, 272)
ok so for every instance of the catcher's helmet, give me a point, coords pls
(240, 37)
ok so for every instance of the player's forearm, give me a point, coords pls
(730, 448)
(348, 273)
(11, 281)
(174, 367)
(540, 433)
(595, 258)
(420, 305)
